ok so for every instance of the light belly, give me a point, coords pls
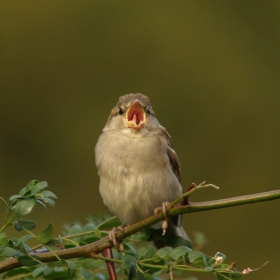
(132, 187)
(134, 196)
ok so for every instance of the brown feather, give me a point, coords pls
(174, 161)
(174, 222)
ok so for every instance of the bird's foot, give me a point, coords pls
(112, 236)
(163, 209)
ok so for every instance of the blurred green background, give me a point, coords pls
(211, 70)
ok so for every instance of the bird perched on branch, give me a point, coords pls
(137, 164)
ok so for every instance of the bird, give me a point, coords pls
(137, 164)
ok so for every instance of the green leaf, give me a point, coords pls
(198, 258)
(24, 207)
(127, 260)
(76, 228)
(59, 269)
(37, 271)
(178, 252)
(13, 243)
(223, 276)
(28, 261)
(3, 239)
(89, 226)
(235, 275)
(129, 249)
(17, 226)
(23, 190)
(58, 274)
(24, 248)
(27, 194)
(32, 183)
(110, 223)
(140, 236)
(71, 269)
(92, 264)
(195, 255)
(161, 254)
(17, 271)
(99, 276)
(150, 252)
(48, 201)
(13, 207)
(140, 276)
(27, 187)
(97, 233)
(46, 193)
(129, 265)
(47, 270)
(45, 235)
(14, 197)
(10, 252)
(132, 271)
(86, 274)
(27, 224)
(38, 187)
(54, 243)
(41, 203)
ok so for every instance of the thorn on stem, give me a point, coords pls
(185, 200)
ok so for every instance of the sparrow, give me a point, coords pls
(137, 164)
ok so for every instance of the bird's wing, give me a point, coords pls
(174, 161)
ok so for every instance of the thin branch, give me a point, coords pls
(98, 246)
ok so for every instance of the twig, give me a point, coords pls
(98, 246)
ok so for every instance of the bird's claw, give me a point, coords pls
(112, 236)
(163, 209)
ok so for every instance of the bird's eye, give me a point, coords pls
(148, 111)
(120, 111)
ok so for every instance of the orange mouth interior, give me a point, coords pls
(136, 116)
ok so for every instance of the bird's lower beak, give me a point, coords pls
(136, 116)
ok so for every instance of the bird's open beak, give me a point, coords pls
(136, 116)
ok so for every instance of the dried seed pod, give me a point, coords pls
(121, 247)
(164, 226)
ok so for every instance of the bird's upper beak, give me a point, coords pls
(136, 116)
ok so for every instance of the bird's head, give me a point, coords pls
(134, 113)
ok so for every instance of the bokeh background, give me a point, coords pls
(211, 70)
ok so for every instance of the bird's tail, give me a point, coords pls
(175, 234)
(175, 225)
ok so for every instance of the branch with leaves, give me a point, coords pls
(84, 243)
